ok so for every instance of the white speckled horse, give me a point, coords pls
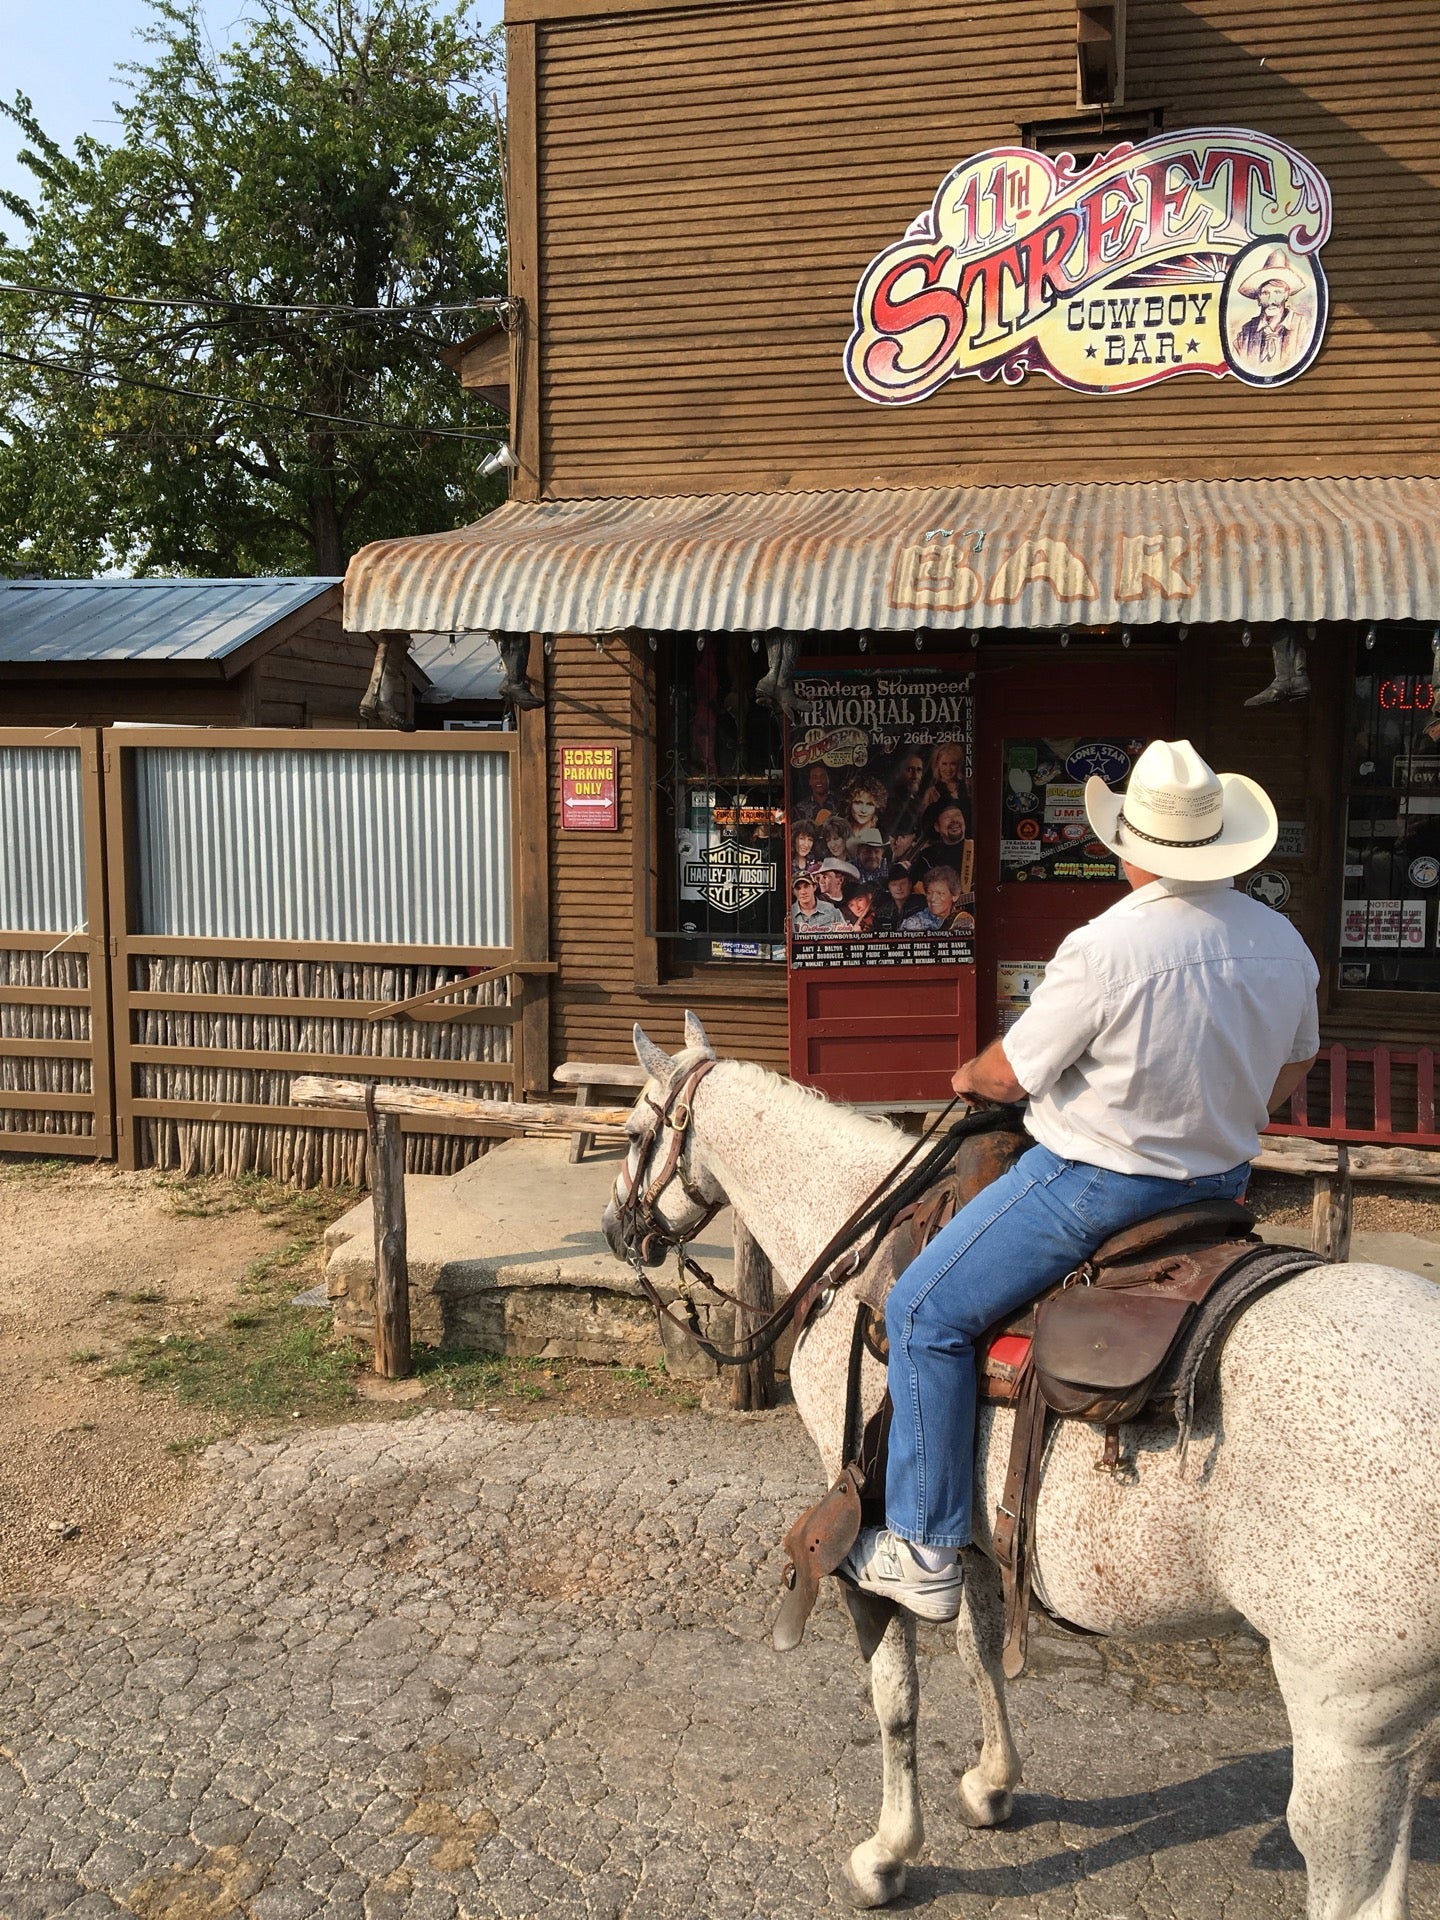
(1308, 1504)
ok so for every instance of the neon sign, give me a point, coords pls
(1193, 252)
(1407, 693)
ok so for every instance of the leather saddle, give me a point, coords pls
(1136, 1329)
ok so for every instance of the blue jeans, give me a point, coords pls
(1015, 1239)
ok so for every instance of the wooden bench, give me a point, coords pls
(586, 1076)
(1359, 1137)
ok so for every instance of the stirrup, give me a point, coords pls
(815, 1546)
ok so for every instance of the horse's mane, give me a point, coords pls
(864, 1131)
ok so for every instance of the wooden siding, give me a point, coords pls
(713, 180)
(315, 678)
(599, 886)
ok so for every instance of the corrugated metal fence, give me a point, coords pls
(293, 844)
(250, 906)
(55, 1087)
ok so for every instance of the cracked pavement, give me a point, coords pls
(456, 1668)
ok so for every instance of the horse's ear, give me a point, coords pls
(656, 1062)
(696, 1036)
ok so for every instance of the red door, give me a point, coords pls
(1045, 718)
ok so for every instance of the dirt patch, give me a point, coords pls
(143, 1316)
(94, 1259)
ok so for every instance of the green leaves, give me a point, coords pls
(337, 156)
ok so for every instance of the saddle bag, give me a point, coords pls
(1102, 1341)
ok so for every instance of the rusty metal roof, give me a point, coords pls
(934, 557)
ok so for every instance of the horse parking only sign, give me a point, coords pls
(589, 789)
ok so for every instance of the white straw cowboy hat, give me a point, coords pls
(1180, 819)
(1277, 267)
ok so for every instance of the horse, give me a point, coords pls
(1305, 1503)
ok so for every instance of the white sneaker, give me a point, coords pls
(880, 1562)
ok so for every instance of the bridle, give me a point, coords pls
(636, 1199)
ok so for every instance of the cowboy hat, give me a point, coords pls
(1277, 267)
(1180, 819)
(832, 865)
(867, 837)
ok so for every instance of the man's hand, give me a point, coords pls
(987, 1079)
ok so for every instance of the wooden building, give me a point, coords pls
(819, 346)
(252, 653)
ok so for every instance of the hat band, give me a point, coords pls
(1155, 840)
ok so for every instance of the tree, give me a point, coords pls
(339, 154)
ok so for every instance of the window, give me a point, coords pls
(721, 811)
(1390, 911)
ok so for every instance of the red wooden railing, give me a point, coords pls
(1344, 1097)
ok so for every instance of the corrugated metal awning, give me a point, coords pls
(951, 557)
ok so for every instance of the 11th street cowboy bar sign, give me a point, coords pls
(1193, 252)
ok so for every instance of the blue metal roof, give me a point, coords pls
(142, 620)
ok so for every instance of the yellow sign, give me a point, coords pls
(1191, 253)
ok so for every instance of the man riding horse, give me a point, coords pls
(1151, 1054)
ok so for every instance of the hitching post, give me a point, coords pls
(385, 1166)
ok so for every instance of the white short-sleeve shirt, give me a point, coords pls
(1154, 1041)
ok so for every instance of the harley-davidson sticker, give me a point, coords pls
(731, 876)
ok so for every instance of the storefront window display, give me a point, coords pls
(721, 792)
(1390, 910)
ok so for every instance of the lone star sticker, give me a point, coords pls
(1192, 346)
(1089, 353)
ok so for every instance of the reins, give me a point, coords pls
(873, 1217)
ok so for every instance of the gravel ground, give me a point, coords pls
(1281, 1200)
(467, 1669)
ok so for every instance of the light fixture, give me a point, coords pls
(974, 639)
(1245, 636)
(1065, 636)
(754, 643)
(919, 643)
(1184, 632)
(498, 461)
(549, 646)
(699, 643)
(1370, 637)
(864, 644)
(654, 643)
(1125, 636)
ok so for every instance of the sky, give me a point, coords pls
(64, 53)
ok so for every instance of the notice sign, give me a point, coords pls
(1193, 252)
(882, 849)
(1044, 834)
(589, 789)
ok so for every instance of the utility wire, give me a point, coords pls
(265, 406)
(82, 297)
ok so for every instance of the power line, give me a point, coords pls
(266, 406)
(487, 304)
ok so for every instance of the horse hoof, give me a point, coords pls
(982, 1806)
(872, 1878)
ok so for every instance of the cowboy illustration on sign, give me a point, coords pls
(1193, 252)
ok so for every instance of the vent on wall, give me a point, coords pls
(1100, 51)
(1088, 135)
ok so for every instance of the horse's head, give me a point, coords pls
(663, 1195)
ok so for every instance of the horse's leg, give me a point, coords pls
(875, 1872)
(1361, 1762)
(986, 1791)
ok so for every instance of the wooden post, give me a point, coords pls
(752, 1387)
(385, 1166)
(1330, 1210)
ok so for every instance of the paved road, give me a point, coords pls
(459, 1667)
